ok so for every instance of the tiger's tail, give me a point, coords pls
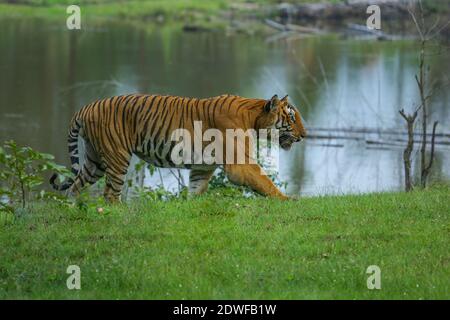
(72, 143)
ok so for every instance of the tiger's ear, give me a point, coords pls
(285, 98)
(271, 104)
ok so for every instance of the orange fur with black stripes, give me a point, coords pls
(116, 128)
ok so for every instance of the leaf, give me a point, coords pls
(47, 156)
(5, 192)
(151, 169)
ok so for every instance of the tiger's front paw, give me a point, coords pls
(283, 197)
(295, 197)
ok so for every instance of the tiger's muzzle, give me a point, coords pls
(287, 139)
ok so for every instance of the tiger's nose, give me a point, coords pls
(303, 135)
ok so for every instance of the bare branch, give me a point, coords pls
(436, 23)
(402, 113)
(179, 179)
(416, 24)
(417, 80)
(440, 30)
(422, 18)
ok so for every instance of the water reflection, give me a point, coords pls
(47, 73)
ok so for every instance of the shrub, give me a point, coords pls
(22, 171)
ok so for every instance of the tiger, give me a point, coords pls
(115, 128)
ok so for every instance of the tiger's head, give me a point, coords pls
(287, 119)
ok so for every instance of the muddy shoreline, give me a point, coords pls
(395, 14)
(390, 10)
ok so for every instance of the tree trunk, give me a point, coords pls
(410, 119)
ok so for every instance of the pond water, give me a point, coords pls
(47, 73)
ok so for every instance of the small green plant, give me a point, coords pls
(158, 193)
(219, 180)
(22, 171)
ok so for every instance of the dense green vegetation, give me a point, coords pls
(216, 246)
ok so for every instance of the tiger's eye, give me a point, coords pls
(291, 113)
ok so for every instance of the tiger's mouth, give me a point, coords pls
(287, 139)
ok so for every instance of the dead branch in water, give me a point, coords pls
(368, 130)
(401, 142)
(291, 27)
(378, 34)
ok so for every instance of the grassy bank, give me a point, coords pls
(171, 9)
(203, 14)
(220, 247)
(237, 16)
(165, 9)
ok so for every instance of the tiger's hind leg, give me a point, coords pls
(91, 171)
(116, 171)
(198, 180)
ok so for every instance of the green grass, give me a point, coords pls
(216, 247)
(169, 9)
